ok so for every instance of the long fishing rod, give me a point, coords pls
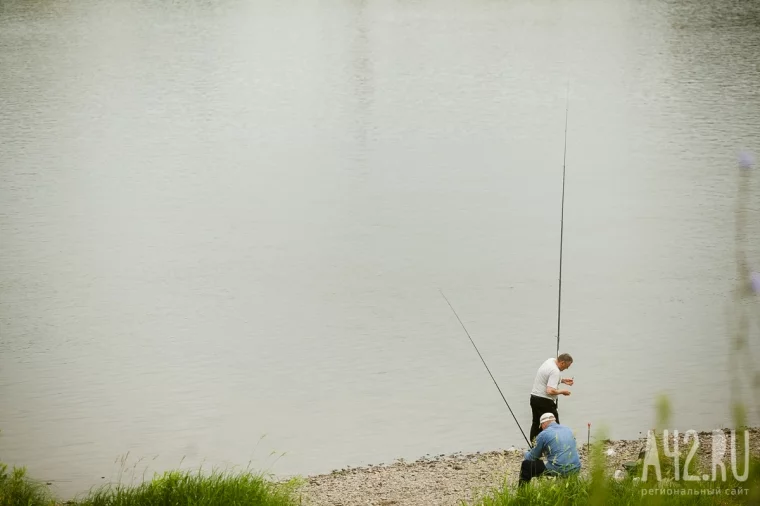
(562, 222)
(487, 369)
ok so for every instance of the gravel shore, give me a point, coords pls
(446, 480)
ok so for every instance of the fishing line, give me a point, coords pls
(487, 369)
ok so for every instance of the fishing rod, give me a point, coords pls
(562, 222)
(487, 369)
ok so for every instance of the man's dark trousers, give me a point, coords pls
(531, 469)
(539, 406)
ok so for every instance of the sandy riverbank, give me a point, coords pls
(446, 480)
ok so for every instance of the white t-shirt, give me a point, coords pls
(548, 374)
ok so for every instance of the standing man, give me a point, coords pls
(558, 444)
(543, 397)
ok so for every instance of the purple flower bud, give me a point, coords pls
(746, 160)
(755, 282)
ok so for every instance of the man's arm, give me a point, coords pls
(535, 452)
(554, 380)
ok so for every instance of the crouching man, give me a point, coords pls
(558, 443)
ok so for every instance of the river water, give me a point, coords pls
(225, 225)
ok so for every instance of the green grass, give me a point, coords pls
(195, 489)
(170, 489)
(580, 491)
(17, 489)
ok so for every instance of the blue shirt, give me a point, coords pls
(558, 442)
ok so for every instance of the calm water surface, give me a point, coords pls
(228, 220)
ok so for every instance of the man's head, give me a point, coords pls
(546, 420)
(564, 361)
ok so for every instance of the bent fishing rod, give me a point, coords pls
(487, 369)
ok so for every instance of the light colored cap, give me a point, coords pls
(546, 417)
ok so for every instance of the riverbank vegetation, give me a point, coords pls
(16, 488)
(606, 491)
(195, 489)
(173, 488)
